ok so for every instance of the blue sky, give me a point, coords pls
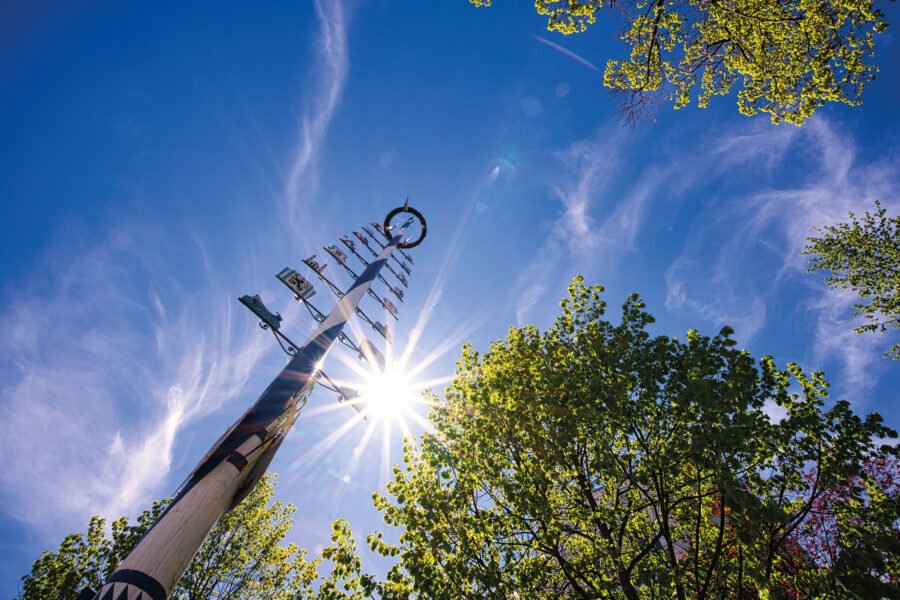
(162, 160)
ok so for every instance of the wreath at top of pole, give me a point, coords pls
(406, 208)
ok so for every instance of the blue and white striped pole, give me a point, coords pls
(236, 463)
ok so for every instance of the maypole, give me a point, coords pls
(239, 459)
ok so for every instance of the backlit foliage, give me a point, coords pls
(864, 256)
(782, 57)
(243, 557)
(596, 460)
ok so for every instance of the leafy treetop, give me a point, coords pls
(243, 557)
(595, 460)
(784, 57)
(864, 256)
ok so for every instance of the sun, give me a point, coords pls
(388, 394)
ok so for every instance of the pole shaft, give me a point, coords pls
(235, 463)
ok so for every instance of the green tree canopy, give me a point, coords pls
(783, 57)
(593, 460)
(864, 256)
(243, 557)
(596, 460)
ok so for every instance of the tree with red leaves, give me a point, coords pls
(852, 536)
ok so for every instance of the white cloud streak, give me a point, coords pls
(598, 224)
(587, 167)
(747, 245)
(332, 58)
(92, 399)
(860, 355)
(93, 396)
(745, 241)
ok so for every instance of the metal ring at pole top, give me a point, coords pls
(406, 208)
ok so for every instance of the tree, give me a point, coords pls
(241, 558)
(595, 460)
(864, 256)
(836, 537)
(86, 561)
(784, 57)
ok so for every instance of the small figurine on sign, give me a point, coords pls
(298, 284)
(390, 307)
(384, 330)
(315, 266)
(370, 353)
(255, 304)
(337, 253)
(351, 396)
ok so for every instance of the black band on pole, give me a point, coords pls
(142, 581)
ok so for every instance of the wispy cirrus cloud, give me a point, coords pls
(602, 212)
(747, 244)
(329, 78)
(835, 338)
(109, 360)
(587, 166)
(112, 356)
(750, 217)
(716, 275)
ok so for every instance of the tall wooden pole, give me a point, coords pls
(235, 463)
